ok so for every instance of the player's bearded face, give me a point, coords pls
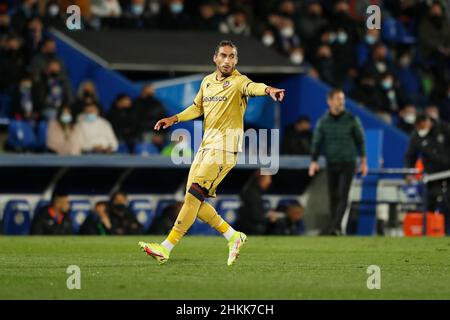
(226, 60)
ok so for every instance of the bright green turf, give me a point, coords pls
(269, 268)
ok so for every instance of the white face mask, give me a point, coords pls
(342, 37)
(296, 58)
(410, 118)
(268, 40)
(422, 133)
(53, 10)
(287, 32)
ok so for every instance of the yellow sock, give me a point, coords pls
(209, 215)
(185, 219)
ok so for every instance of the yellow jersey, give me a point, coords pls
(223, 103)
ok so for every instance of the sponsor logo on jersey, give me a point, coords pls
(214, 99)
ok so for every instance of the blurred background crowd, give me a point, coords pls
(395, 72)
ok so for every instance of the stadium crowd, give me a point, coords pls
(395, 72)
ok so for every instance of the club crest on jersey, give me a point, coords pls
(226, 84)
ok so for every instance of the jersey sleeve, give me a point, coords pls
(252, 89)
(195, 110)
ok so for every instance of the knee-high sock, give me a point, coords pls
(209, 215)
(185, 219)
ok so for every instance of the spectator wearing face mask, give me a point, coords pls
(325, 64)
(378, 62)
(366, 45)
(97, 134)
(392, 97)
(431, 142)
(53, 219)
(47, 53)
(63, 136)
(407, 119)
(285, 33)
(173, 16)
(12, 63)
(124, 119)
(236, 23)
(53, 16)
(137, 14)
(311, 22)
(432, 112)
(54, 90)
(24, 13)
(208, 19)
(87, 94)
(268, 38)
(344, 50)
(25, 100)
(409, 78)
(434, 34)
(122, 220)
(150, 110)
(106, 8)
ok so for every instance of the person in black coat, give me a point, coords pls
(297, 139)
(431, 141)
(252, 214)
(124, 120)
(112, 218)
(150, 110)
(53, 219)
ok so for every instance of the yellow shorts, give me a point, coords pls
(209, 168)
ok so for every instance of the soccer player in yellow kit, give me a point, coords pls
(222, 99)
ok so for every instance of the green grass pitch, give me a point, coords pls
(269, 268)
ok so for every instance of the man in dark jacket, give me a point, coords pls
(341, 137)
(297, 138)
(431, 141)
(252, 214)
(53, 219)
(113, 218)
(124, 120)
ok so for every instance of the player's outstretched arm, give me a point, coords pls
(275, 93)
(166, 122)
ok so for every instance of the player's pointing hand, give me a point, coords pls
(275, 93)
(165, 123)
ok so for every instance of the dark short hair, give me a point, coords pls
(224, 43)
(421, 118)
(333, 92)
(303, 118)
(115, 194)
(57, 195)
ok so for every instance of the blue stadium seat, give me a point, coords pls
(17, 217)
(145, 149)
(143, 212)
(228, 208)
(5, 105)
(42, 135)
(162, 204)
(122, 148)
(21, 135)
(79, 210)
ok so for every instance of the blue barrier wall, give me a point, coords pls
(307, 96)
